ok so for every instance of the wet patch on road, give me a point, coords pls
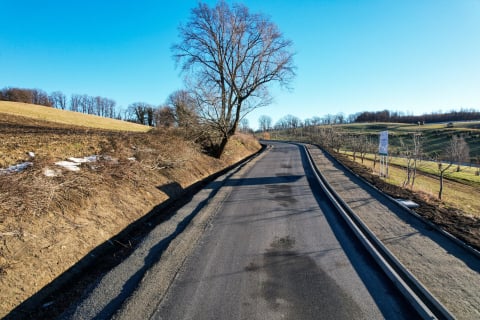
(297, 288)
(282, 194)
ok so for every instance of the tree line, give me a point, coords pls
(292, 122)
(400, 117)
(95, 105)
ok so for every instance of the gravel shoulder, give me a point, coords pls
(448, 271)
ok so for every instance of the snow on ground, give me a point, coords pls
(16, 168)
(69, 165)
(84, 159)
(72, 164)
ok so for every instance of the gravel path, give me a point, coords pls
(449, 272)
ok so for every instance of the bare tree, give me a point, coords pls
(460, 151)
(417, 153)
(372, 148)
(352, 143)
(408, 154)
(412, 153)
(453, 153)
(150, 111)
(231, 55)
(265, 123)
(244, 125)
(183, 105)
(364, 146)
(142, 113)
(75, 102)
(339, 118)
(330, 138)
(441, 172)
(59, 100)
(164, 117)
(477, 170)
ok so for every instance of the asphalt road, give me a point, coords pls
(275, 249)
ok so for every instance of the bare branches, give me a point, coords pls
(231, 55)
(457, 151)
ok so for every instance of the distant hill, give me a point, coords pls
(38, 112)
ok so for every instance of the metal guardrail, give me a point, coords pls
(420, 298)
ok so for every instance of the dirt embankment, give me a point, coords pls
(50, 217)
(457, 223)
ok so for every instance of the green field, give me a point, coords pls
(467, 174)
(435, 137)
(68, 117)
(458, 195)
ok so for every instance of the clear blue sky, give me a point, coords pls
(415, 56)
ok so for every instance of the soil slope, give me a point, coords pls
(462, 225)
(50, 217)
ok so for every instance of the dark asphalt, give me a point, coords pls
(277, 250)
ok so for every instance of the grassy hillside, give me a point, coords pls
(67, 117)
(435, 136)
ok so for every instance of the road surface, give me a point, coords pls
(275, 249)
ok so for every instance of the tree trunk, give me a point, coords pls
(414, 172)
(441, 186)
(221, 146)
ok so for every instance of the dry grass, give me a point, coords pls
(47, 224)
(68, 117)
(455, 194)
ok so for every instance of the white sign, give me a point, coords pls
(383, 146)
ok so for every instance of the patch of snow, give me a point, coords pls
(51, 172)
(69, 165)
(16, 168)
(84, 159)
(31, 154)
(73, 163)
(408, 203)
(132, 159)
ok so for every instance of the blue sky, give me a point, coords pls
(415, 56)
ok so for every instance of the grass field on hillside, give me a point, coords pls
(68, 117)
(435, 136)
(455, 194)
(467, 174)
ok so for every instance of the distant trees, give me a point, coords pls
(183, 106)
(99, 106)
(35, 96)
(400, 117)
(289, 123)
(179, 110)
(164, 117)
(244, 125)
(393, 117)
(58, 100)
(265, 123)
(141, 112)
(231, 55)
(460, 151)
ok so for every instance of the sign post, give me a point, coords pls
(383, 151)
